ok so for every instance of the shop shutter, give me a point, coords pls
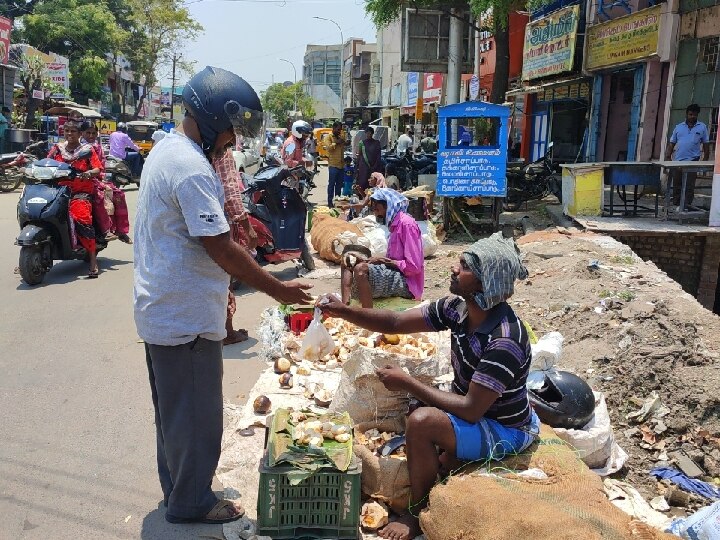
(635, 110)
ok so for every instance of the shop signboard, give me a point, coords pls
(107, 126)
(412, 89)
(625, 39)
(432, 90)
(472, 170)
(549, 46)
(5, 29)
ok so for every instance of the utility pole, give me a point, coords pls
(175, 59)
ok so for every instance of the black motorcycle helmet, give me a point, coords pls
(219, 100)
(561, 399)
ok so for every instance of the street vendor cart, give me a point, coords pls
(472, 159)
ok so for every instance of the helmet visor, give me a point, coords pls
(245, 122)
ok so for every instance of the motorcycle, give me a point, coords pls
(13, 165)
(43, 216)
(278, 214)
(407, 167)
(118, 171)
(531, 182)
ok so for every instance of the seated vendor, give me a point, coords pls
(402, 272)
(487, 414)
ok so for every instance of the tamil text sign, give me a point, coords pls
(471, 171)
(622, 40)
(550, 44)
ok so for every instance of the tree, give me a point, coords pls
(159, 27)
(81, 30)
(31, 75)
(279, 100)
(384, 12)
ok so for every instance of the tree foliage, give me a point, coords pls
(82, 31)
(279, 100)
(158, 27)
(31, 75)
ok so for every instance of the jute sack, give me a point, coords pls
(569, 505)
(325, 229)
(366, 399)
(386, 479)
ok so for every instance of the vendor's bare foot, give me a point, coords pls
(236, 336)
(405, 527)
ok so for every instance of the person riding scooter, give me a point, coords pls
(292, 149)
(120, 141)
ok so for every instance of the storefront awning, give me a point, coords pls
(541, 87)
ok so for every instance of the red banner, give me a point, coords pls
(5, 29)
(433, 87)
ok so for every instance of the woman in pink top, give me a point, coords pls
(402, 272)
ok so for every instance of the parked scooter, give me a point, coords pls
(278, 214)
(407, 167)
(43, 216)
(13, 165)
(531, 182)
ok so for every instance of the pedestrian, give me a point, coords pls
(404, 143)
(184, 257)
(334, 144)
(240, 230)
(487, 414)
(368, 159)
(4, 125)
(312, 150)
(689, 140)
(428, 143)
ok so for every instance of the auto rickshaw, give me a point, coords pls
(140, 131)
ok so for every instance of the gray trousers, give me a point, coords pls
(186, 384)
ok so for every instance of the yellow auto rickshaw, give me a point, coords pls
(319, 133)
(140, 131)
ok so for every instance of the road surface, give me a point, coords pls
(77, 458)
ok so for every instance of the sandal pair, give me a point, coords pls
(224, 511)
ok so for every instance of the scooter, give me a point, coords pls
(44, 219)
(532, 182)
(278, 215)
(13, 165)
(118, 171)
(407, 168)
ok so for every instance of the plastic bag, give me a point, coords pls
(317, 342)
(547, 351)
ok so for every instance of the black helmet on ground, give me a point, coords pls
(560, 398)
(219, 100)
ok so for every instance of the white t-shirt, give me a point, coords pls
(403, 143)
(180, 292)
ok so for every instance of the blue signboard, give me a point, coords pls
(472, 154)
(412, 86)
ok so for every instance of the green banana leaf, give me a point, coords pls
(308, 459)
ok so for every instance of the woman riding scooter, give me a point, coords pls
(84, 159)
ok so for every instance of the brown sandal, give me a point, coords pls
(224, 511)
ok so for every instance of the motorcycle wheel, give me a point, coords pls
(32, 269)
(307, 258)
(9, 182)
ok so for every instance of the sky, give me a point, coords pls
(249, 37)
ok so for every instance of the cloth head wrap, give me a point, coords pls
(496, 262)
(379, 179)
(396, 202)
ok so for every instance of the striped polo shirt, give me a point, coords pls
(495, 355)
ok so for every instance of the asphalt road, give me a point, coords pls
(77, 450)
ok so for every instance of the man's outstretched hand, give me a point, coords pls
(293, 292)
(393, 378)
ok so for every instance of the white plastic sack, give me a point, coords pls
(347, 238)
(429, 238)
(702, 525)
(595, 442)
(547, 351)
(318, 342)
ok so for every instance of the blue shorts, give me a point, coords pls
(489, 439)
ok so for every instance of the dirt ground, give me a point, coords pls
(629, 331)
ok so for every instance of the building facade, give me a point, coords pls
(322, 77)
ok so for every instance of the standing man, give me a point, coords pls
(429, 144)
(486, 415)
(404, 143)
(688, 141)
(334, 144)
(120, 141)
(184, 255)
(4, 125)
